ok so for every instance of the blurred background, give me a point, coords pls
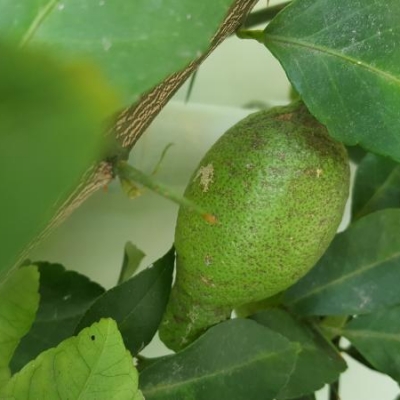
(238, 74)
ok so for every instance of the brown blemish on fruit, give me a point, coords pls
(284, 117)
(210, 218)
(207, 281)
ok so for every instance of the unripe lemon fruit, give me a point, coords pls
(277, 184)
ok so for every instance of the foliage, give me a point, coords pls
(64, 298)
(19, 302)
(341, 56)
(66, 68)
(94, 361)
(140, 304)
(239, 350)
(50, 114)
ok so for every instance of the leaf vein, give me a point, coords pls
(225, 371)
(371, 335)
(348, 276)
(334, 53)
(40, 17)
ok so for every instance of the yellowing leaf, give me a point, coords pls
(92, 365)
(19, 300)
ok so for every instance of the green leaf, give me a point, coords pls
(308, 397)
(377, 185)
(51, 131)
(92, 365)
(132, 259)
(127, 39)
(377, 337)
(137, 305)
(343, 58)
(64, 298)
(235, 360)
(19, 300)
(358, 274)
(315, 350)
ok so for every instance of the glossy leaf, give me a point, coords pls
(315, 350)
(237, 359)
(344, 60)
(92, 365)
(132, 259)
(377, 185)
(358, 274)
(64, 298)
(51, 129)
(137, 43)
(19, 300)
(377, 337)
(137, 305)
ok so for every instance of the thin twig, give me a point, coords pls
(334, 387)
(334, 391)
(130, 174)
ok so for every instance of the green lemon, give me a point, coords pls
(277, 184)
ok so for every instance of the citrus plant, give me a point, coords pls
(265, 290)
